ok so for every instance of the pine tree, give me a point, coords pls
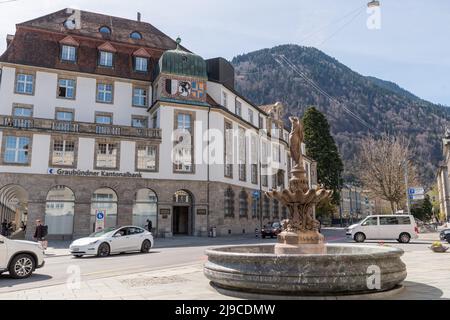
(321, 146)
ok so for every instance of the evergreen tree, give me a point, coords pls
(321, 147)
(424, 210)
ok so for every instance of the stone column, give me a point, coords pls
(82, 220)
(124, 213)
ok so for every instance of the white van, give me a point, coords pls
(400, 227)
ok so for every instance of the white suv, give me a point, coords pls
(402, 228)
(20, 258)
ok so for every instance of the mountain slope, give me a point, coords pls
(264, 77)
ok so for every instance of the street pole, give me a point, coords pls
(406, 186)
(351, 204)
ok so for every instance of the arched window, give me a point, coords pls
(104, 30)
(276, 209)
(266, 207)
(59, 211)
(145, 208)
(182, 196)
(229, 202)
(243, 204)
(104, 200)
(135, 35)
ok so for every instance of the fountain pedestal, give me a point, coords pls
(306, 242)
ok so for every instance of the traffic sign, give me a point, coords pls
(416, 197)
(416, 190)
(100, 219)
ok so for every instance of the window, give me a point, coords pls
(229, 202)
(59, 211)
(136, 35)
(21, 111)
(242, 155)
(146, 157)
(254, 159)
(104, 92)
(283, 212)
(261, 122)
(224, 99)
(24, 83)
(63, 152)
(103, 119)
(66, 88)
(266, 207)
(276, 209)
(68, 53)
(238, 110)
(276, 153)
(105, 30)
(145, 208)
(394, 220)
(141, 64)
(243, 204)
(106, 59)
(107, 155)
(373, 221)
(228, 150)
(17, 150)
(183, 153)
(254, 173)
(64, 115)
(104, 199)
(139, 122)
(250, 116)
(139, 97)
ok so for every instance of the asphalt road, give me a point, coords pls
(58, 270)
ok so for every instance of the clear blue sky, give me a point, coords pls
(412, 48)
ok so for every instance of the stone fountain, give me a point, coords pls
(300, 263)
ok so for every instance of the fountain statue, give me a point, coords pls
(300, 263)
(300, 231)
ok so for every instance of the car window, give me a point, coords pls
(389, 221)
(404, 220)
(134, 230)
(276, 225)
(101, 232)
(370, 222)
(123, 232)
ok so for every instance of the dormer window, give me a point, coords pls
(136, 35)
(141, 64)
(68, 53)
(105, 30)
(106, 59)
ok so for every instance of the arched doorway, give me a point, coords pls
(59, 211)
(105, 200)
(13, 208)
(182, 220)
(145, 208)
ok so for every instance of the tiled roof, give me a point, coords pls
(37, 43)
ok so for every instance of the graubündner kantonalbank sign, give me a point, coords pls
(89, 173)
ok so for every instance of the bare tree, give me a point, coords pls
(382, 168)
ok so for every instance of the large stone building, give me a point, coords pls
(99, 113)
(442, 180)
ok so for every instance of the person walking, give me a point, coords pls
(4, 230)
(149, 225)
(40, 233)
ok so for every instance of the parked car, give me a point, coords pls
(113, 240)
(271, 229)
(445, 235)
(400, 227)
(20, 258)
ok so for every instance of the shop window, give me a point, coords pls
(145, 208)
(59, 211)
(104, 200)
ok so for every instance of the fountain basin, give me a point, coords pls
(342, 270)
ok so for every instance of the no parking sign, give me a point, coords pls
(100, 219)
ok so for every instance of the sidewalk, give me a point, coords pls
(427, 279)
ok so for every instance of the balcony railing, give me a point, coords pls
(77, 127)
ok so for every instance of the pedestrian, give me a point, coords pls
(4, 228)
(149, 225)
(40, 233)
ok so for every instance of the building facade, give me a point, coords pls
(99, 113)
(442, 179)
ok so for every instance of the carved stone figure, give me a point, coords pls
(295, 140)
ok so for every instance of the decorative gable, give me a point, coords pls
(141, 53)
(107, 47)
(69, 41)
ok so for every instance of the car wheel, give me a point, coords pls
(404, 237)
(78, 255)
(103, 250)
(21, 266)
(360, 237)
(146, 246)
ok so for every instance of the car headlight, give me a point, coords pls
(93, 242)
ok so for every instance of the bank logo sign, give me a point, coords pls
(89, 173)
